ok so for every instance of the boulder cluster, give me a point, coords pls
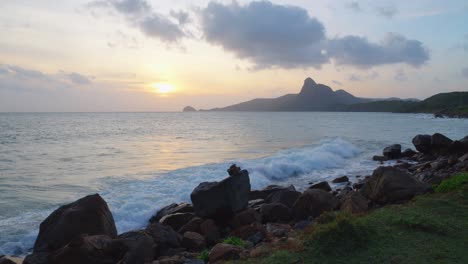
(84, 231)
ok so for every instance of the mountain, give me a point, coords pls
(312, 97)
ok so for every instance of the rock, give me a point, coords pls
(37, 258)
(254, 233)
(189, 109)
(210, 231)
(222, 252)
(341, 179)
(193, 241)
(278, 230)
(172, 209)
(171, 260)
(321, 186)
(439, 164)
(422, 143)
(192, 226)
(177, 220)
(440, 142)
(275, 212)
(97, 249)
(140, 247)
(285, 197)
(408, 153)
(89, 215)
(379, 158)
(313, 202)
(5, 260)
(244, 218)
(194, 261)
(354, 203)
(463, 158)
(255, 203)
(221, 200)
(264, 193)
(163, 236)
(390, 185)
(392, 152)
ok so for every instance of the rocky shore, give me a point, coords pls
(228, 221)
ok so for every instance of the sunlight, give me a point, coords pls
(163, 88)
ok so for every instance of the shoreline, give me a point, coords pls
(277, 206)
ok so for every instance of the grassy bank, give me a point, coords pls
(432, 228)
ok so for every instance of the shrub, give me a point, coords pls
(235, 241)
(453, 183)
(204, 255)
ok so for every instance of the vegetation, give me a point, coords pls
(204, 255)
(433, 228)
(235, 241)
(453, 183)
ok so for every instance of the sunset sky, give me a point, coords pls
(145, 55)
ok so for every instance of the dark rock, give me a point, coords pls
(278, 230)
(222, 252)
(379, 158)
(392, 152)
(321, 186)
(313, 202)
(210, 231)
(194, 261)
(37, 258)
(358, 185)
(164, 237)
(463, 158)
(251, 232)
(192, 226)
(390, 185)
(440, 142)
(140, 247)
(5, 260)
(245, 217)
(408, 153)
(221, 200)
(255, 203)
(264, 193)
(89, 215)
(439, 164)
(172, 209)
(177, 220)
(303, 224)
(285, 197)
(422, 143)
(341, 179)
(275, 212)
(189, 109)
(354, 203)
(193, 241)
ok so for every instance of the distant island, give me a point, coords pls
(189, 109)
(320, 97)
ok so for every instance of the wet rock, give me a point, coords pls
(222, 252)
(264, 193)
(321, 186)
(392, 152)
(221, 200)
(390, 185)
(354, 203)
(408, 153)
(285, 197)
(422, 143)
(172, 209)
(177, 220)
(89, 215)
(313, 202)
(341, 179)
(379, 158)
(275, 212)
(193, 241)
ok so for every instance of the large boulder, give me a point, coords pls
(354, 203)
(285, 197)
(89, 215)
(221, 200)
(139, 246)
(265, 192)
(177, 220)
(193, 241)
(422, 143)
(164, 237)
(172, 209)
(244, 218)
(391, 185)
(313, 202)
(222, 252)
(275, 212)
(440, 142)
(341, 179)
(321, 186)
(392, 151)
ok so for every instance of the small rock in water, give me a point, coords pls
(341, 179)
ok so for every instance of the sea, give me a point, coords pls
(140, 162)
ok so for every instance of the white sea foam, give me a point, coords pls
(132, 202)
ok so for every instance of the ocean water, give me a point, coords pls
(140, 162)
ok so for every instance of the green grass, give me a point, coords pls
(432, 228)
(453, 183)
(235, 241)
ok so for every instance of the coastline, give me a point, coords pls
(264, 216)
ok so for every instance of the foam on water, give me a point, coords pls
(132, 202)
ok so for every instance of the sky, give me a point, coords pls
(157, 55)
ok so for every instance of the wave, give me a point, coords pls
(133, 201)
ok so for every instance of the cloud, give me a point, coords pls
(141, 15)
(369, 76)
(388, 11)
(337, 82)
(270, 35)
(394, 48)
(355, 78)
(77, 78)
(181, 16)
(464, 72)
(354, 5)
(400, 75)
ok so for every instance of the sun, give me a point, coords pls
(163, 88)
